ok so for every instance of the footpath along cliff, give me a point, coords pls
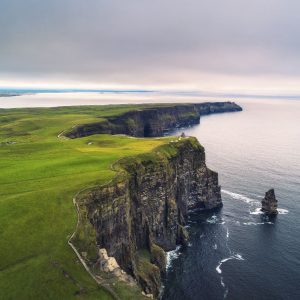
(142, 213)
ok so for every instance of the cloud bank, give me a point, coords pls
(213, 44)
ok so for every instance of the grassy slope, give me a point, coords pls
(39, 176)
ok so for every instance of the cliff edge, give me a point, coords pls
(142, 213)
(152, 121)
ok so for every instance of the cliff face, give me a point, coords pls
(216, 107)
(143, 214)
(153, 122)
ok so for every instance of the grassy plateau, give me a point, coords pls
(40, 174)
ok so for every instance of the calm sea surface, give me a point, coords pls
(237, 253)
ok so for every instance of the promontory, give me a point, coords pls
(133, 186)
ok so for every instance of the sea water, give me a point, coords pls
(237, 252)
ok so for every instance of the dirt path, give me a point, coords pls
(100, 281)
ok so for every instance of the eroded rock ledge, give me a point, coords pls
(153, 121)
(143, 212)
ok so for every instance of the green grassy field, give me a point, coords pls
(40, 174)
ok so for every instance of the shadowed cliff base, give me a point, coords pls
(142, 212)
(152, 121)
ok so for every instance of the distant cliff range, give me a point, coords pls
(153, 121)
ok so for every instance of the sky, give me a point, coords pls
(215, 45)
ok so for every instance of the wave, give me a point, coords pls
(215, 220)
(212, 220)
(282, 211)
(257, 211)
(253, 202)
(241, 197)
(260, 223)
(171, 255)
(235, 256)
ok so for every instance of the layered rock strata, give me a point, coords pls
(152, 121)
(143, 213)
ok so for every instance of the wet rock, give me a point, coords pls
(269, 203)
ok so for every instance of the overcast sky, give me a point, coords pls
(231, 45)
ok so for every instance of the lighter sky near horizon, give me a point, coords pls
(231, 46)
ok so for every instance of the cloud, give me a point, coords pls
(142, 42)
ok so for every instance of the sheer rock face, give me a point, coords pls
(140, 217)
(153, 122)
(269, 203)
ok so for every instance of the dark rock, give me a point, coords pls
(153, 121)
(269, 203)
(142, 215)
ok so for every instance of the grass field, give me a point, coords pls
(40, 174)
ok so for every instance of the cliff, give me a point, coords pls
(143, 212)
(152, 121)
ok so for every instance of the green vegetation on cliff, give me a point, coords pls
(40, 174)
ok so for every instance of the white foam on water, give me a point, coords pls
(257, 211)
(171, 255)
(235, 256)
(224, 286)
(225, 294)
(282, 211)
(222, 282)
(214, 220)
(255, 224)
(237, 196)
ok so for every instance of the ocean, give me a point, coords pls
(238, 253)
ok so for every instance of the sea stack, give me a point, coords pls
(269, 203)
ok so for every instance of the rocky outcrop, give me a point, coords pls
(269, 203)
(143, 212)
(216, 107)
(128, 224)
(152, 121)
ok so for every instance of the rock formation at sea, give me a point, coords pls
(269, 203)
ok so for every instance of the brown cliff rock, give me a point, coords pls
(143, 213)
